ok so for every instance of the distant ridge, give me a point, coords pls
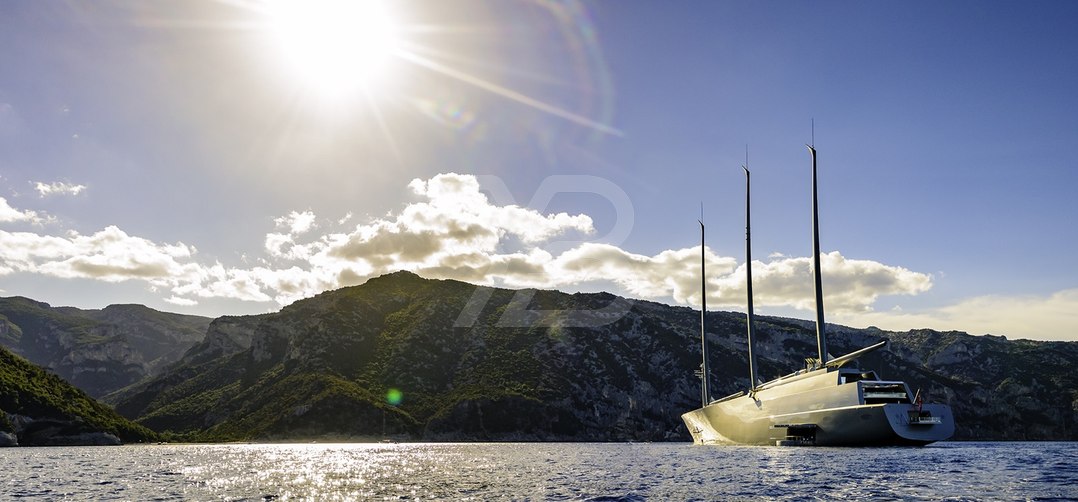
(322, 368)
(99, 351)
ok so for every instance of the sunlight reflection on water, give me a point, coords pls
(541, 471)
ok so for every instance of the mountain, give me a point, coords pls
(97, 350)
(444, 360)
(38, 408)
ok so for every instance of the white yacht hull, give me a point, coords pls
(866, 425)
(819, 409)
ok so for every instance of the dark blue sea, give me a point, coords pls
(541, 471)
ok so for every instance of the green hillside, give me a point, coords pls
(444, 360)
(324, 366)
(99, 351)
(29, 391)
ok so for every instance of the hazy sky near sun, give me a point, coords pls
(232, 157)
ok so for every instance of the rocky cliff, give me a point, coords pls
(98, 350)
(38, 408)
(443, 360)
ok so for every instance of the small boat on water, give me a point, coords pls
(830, 402)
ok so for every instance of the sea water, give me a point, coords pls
(541, 471)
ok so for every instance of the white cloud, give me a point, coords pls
(671, 273)
(58, 188)
(849, 285)
(109, 255)
(454, 231)
(456, 199)
(183, 302)
(275, 244)
(296, 223)
(10, 214)
(218, 281)
(457, 233)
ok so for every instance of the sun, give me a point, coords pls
(336, 48)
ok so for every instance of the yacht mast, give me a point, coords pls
(705, 395)
(821, 333)
(749, 316)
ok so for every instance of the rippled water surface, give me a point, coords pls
(540, 471)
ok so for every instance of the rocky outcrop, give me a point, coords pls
(38, 408)
(7, 431)
(543, 365)
(98, 350)
(53, 432)
(225, 336)
(999, 388)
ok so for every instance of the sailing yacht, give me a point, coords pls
(830, 402)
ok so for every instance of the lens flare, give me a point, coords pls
(394, 397)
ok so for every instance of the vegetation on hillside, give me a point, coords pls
(5, 424)
(402, 356)
(30, 315)
(26, 389)
(98, 350)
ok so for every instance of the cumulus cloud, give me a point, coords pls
(456, 203)
(183, 302)
(58, 188)
(849, 285)
(109, 255)
(10, 214)
(454, 231)
(296, 222)
(671, 273)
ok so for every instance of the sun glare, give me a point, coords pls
(335, 47)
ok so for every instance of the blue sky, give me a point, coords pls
(213, 158)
